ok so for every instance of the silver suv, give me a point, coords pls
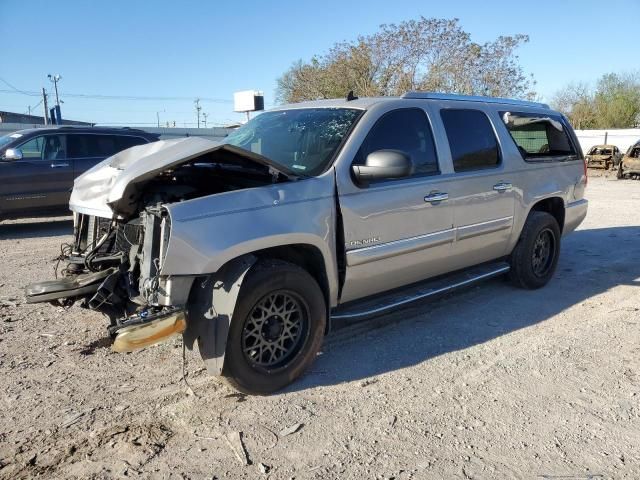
(318, 213)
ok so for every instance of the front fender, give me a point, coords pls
(208, 232)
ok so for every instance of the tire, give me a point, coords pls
(270, 287)
(532, 263)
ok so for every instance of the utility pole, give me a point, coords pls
(158, 116)
(198, 108)
(58, 114)
(46, 108)
(205, 115)
(55, 79)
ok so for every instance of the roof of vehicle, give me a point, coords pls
(604, 146)
(366, 102)
(87, 129)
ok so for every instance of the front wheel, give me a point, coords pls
(277, 328)
(534, 259)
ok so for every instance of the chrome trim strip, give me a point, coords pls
(405, 301)
(578, 203)
(380, 251)
(482, 228)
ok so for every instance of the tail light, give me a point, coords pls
(586, 177)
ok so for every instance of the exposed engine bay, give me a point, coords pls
(114, 264)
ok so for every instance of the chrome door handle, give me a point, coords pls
(436, 197)
(502, 187)
(59, 165)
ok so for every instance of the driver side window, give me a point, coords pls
(408, 131)
(32, 150)
(45, 147)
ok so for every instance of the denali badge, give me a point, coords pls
(363, 243)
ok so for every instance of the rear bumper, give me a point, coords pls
(574, 214)
(597, 165)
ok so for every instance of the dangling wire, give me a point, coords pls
(184, 370)
(65, 250)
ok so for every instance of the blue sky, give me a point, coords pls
(210, 49)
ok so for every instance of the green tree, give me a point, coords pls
(617, 100)
(614, 103)
(423, 54)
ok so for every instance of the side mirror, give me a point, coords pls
(383, 165)
(12, 154)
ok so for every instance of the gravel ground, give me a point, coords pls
(492, 382)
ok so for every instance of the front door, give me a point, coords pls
(40, 181)
(396, 232)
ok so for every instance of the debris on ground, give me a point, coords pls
(291, 430)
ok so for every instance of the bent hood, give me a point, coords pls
(105, 189)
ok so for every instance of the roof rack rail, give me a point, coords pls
(472, 98)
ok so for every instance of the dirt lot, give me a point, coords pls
(494, 382)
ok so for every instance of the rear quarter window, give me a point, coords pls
(539, 137)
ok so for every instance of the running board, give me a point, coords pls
(371, 307)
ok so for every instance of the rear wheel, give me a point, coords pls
(277, 329)
(535, 257)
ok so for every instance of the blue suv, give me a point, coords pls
(38, 166)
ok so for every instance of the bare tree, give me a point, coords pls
(423, 54)
(576, 101)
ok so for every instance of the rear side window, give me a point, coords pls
(406, 130)
(100, 146)
(472, 140)
(104, 145)
(538, 136)
(78, 145)
(125, 142)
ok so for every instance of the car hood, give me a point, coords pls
(104, 189)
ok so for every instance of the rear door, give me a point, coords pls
(88, 149)
(396, 232)
(41, 180)
(481, 190)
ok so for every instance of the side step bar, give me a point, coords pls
(362, 309)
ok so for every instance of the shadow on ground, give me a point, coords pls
(591, 262)
(34, 228)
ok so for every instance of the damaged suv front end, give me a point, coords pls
(165, 234)
(123, 212)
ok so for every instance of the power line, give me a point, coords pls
(114, 97)
(23, 92)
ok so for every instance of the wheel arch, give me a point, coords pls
(553, 206)
(231, 276)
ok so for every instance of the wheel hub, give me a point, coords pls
(542, 257)
(274, 331)
(272, 328)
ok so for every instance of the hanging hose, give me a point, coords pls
(92, 253)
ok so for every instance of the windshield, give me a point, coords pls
(305, 140)
(7, 139)
(599, 151)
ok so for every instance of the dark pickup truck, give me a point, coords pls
(38, 166)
